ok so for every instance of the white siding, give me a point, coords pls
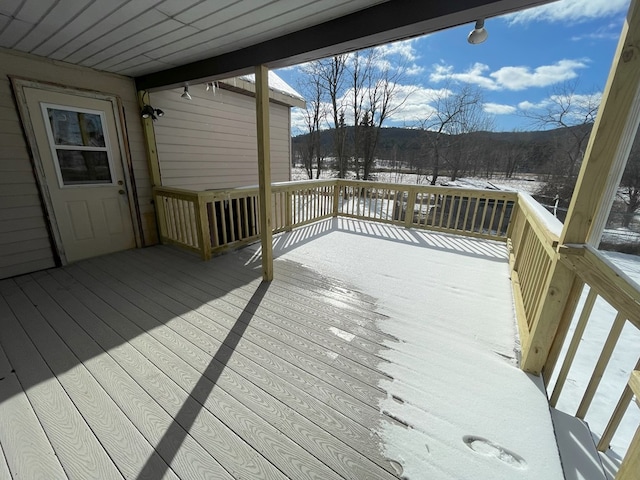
(24, 239)
(210, 141)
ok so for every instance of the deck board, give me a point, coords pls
(286, 454)
(288, 421)
(167, 378)
(288, 303)
(278, 331)
(190, 460)
(158, 364)
(46, 407)
(123, 442)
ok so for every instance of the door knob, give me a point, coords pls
(121, 192)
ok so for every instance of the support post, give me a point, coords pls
(264, 170)
(602, 167)
(153, 164)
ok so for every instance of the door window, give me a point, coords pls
(79, 145)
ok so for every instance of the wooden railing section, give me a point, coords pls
(209, 222)
(606, 281)
(533, 241)
(470, 212)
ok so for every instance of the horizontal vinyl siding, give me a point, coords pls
(24, 239)
(210, 142)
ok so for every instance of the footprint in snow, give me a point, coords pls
(489, 449)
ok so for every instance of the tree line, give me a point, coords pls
(351, 97)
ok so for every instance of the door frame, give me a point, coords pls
(18, 85)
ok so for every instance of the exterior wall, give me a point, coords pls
(210, 142)
(24, 238)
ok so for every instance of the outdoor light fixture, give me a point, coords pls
(478, 34)
(185, 94)
(149, 112)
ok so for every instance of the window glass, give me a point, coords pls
(76, 128)
(84, 166)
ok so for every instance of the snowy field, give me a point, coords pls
(465, 409)
(522, 184)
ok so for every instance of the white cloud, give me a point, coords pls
(511, 78)
(499, 109)
(519, 78)
(418, 105)
(474, 75)
(414, 70)
(572, 11)
(403, 49)
(575, 106)
(607, 32)
(527, 105)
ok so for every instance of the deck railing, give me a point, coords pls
(533, 241)
(470, 212)
(212, 221)
(605, 281)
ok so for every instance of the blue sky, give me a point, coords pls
(526, 56)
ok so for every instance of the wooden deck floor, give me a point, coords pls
(152, 364)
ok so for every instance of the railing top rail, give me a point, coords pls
(546, 225)
(304, 183)
(606, 278)
(442, 190)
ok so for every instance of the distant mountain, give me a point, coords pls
(533, 148)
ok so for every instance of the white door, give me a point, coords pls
(77, 140)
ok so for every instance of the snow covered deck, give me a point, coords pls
(376, 352)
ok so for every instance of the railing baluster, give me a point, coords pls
(573, 346)
(603, 361)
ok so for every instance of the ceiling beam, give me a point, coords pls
(383, 23)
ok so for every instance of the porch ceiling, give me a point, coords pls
(170, 42)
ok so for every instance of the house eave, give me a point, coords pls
(383, 23)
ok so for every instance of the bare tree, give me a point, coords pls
(455, 114)
(331, 73)
(573, 115)
(314, 115)
(358, 90)
(375, 93)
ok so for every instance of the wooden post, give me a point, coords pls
(150, 145)
(153, 164)
(202, 227)
(288, 213)
(411, 205)
(264, 170)
(604, 161)
(336, 197)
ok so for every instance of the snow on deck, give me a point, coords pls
(464, 409)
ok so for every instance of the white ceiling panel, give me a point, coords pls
(9, 7)
(207, 9)
(118, 56)
(54, 21)
(13, 32)
(164, 30)
(32, 12)
(97, 27)
(83, 21)
(173, 7)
